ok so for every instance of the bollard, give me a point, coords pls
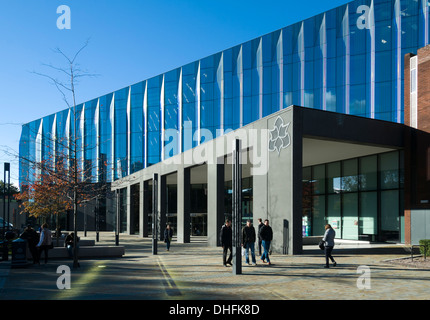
(19, 253)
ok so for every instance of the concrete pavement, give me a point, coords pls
(195, 272)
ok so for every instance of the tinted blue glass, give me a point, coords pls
(106, 127)
(24, 149)
(77, 138)
(171, 116)
(207, 92)
(383, 101)
(121, 128)
(357, 104)
(328, 42)
(154, 120)
(189, 106)
(137, 134)
(218, 95)
(409, 31)
(90, 141)
(47, 140)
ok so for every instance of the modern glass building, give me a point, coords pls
(347, 60)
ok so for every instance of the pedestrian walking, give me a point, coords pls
(226, 243)
(168, 235)
(328, 240)
(45, 242)
(260, 225)
(266, 234)
(32, 238)
(248, 241)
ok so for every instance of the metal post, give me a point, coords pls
(117, 218)
(96, 213)
(237, 206)
(154, 213)
(7, 167)
(5, 246)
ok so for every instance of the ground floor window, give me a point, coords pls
(362, 198)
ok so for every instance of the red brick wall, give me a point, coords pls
(417, 143)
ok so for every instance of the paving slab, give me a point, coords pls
(194, 271)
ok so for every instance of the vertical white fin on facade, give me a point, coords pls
(220, 77)
(67, 129)
(301, 49)
(198, 104)
(39, 145)
(346, 39)
(280, 57)
(399, 58)
(425, 11)
(112, 121)
(260, 76)
(414, 92)
(372, 59)
(129, 131)
(323, 46)
(82, 151)
(240, 74)
(145, 122)
(162, 117)
(54, 142)
(97, 125)
(180, 112)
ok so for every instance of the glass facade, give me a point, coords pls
(360, 198)
(347, 60)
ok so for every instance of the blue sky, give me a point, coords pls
(130, 41)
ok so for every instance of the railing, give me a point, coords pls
(418, 245)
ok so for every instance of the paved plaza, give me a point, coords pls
(194, 271)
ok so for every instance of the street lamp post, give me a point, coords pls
(237, 206)
(154, 213)
(7, 167)
(117, 218)
(5, 246)
(96, 214)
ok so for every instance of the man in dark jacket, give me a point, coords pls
(260, 225)
(32, 238)
(248, 241)
(266, 234)
(226, 242)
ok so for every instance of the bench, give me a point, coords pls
(85, 252)
(82, 243)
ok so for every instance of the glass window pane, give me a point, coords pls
(390, 214)
(333, 177)
(389, 171)
(368, 213)
(318, 215)
(350, 178)
(319, 179)
(368, 173)
(333, 213)
(350, 216)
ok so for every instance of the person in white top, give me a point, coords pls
(45, 242)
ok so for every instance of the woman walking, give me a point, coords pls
(168, 235)
(45, 242)
(328, 239)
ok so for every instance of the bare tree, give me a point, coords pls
(78, 179)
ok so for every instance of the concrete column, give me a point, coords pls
(147, 200)
(141, 207)
(129, 207)
(215, 202)
(184, 219)
(295, 228)
(162, 206)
